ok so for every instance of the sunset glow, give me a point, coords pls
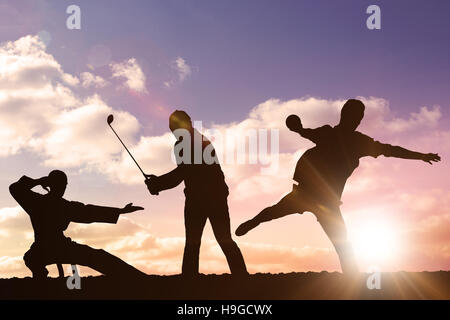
(238, 70)
(376, 242)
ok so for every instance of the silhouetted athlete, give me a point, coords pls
(51, 214)
(322, 171)
(206, 195)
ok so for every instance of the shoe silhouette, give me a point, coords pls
(246, 227)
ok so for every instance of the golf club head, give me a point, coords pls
(110, 119)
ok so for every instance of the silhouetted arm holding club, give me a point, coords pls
(170, 180)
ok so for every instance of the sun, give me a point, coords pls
(375, 242)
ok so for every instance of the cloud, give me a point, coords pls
(152, 152)
(182, 69)
(139, 245)
(434, 229)
(132, 72)
(425, 117)
(15, 227)
(41, 113)
(277, 258)
(70, 143)
(90, 80)
(32, 89)
(13, 267)
(378, 119)
(428, 243)
(25, 61)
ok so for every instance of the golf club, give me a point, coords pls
(109, 120)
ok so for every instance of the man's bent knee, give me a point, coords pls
(30, 258)
(38, 270)
(27, 259)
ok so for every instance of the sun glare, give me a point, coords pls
(375, 242)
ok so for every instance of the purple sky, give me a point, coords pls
(245, 52)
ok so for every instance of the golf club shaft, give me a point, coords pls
(127, 150)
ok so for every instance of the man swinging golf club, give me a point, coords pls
(322, 171)
(206, 195)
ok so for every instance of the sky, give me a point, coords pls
(236, 66)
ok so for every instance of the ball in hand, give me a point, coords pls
(293, 122)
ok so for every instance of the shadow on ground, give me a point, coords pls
(324, 285)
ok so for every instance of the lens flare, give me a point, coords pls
(375, 242)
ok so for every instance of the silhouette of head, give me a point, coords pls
(180, 120)
(57, 181)
(351, 114)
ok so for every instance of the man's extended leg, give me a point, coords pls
(289, 204)
(97, 259)
(220, 222)
(334, 226)
(194, 222)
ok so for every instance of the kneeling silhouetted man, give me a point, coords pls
(206, 194)
(50, 215)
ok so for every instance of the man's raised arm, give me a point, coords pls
(23, 186)
(294, 124)
(82, 213)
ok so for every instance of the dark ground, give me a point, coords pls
(324, 285)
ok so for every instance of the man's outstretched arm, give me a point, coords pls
(399, 152)
(90, 213)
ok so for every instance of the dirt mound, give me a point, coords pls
(292, 286)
